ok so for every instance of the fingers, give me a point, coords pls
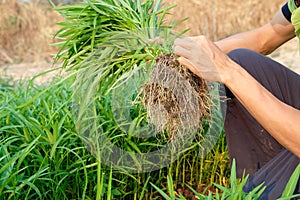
(184, 43)
(185, 62)
(200, 56)
(189, 52)
(181, 51)
(183, 47)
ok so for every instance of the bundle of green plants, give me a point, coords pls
(92, 25)
(106, 44)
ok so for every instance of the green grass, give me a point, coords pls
(43, 157)
(234, 191)
(40, 148)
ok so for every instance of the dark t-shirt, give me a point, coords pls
(286, 12)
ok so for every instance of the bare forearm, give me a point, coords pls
(278, 118)
(263, 40)
(206, 60)
(241, 40)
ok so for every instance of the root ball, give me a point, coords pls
(176, 100)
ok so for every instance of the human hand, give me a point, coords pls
(202, 57)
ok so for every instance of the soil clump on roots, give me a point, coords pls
(175, 99)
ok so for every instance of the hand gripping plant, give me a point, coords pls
(129, 89)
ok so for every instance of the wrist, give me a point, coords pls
(230, 70)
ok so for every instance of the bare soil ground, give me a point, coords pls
(42, 72)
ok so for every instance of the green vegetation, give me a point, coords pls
(235, 190)
(43, 157)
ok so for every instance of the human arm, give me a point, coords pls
(206, 60)
(263, 40)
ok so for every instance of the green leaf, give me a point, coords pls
(199, 196)
(171, 186)
(144, 188)
(233, 176)
(292, 183)
(109, 189)
(162, 193)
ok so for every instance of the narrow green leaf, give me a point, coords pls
(162, 193)
(109, 188)
(292, 183)
(233, 176)
(144, 190)
(171, 186)
(22, 153)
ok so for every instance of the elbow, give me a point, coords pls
(266, 47)
(267, 51)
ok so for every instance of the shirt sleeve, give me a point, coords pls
(286, 12)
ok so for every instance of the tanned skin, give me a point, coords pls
(209, 61)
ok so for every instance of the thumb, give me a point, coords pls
(187, 63)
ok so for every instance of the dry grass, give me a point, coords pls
(26, 31)
(218, 18)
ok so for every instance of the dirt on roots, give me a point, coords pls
(175, 99)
